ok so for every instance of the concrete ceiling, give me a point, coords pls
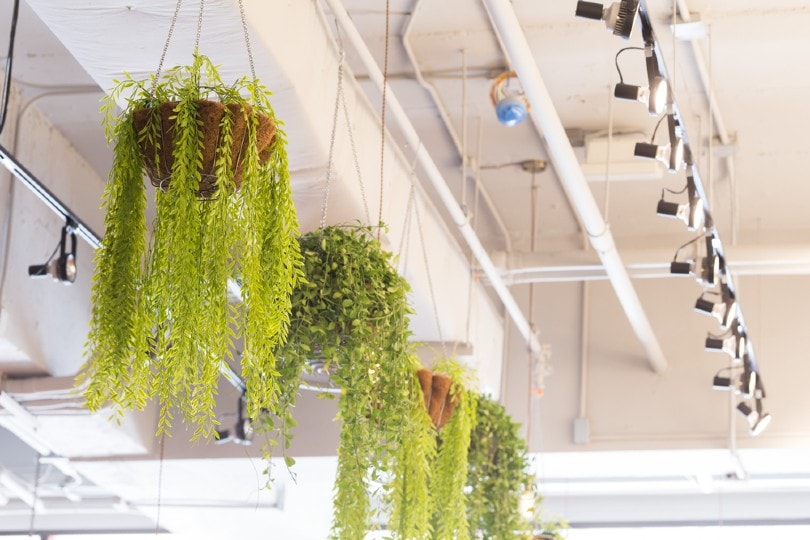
(754, 54)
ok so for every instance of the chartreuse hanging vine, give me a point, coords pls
(352, 315)
(410, 499)
(161, 322)
(498, 474)
(449, 475)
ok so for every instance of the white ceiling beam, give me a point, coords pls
(548, 123)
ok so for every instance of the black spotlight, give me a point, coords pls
(707, 269)
(733, 343)
(692, 212)
(243, 429)
(670, 154)
(724, 310)
(757, 420)
(619, 17)
(62, 268)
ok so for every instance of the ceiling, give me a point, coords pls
(608, 426)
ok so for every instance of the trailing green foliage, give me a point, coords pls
(449, 477)
(161, 321)
(410, 487)
(498, 474)
(352, 314)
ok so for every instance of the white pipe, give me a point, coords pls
(714, 110)
(435, 177)
(444, 114)
(547, 122)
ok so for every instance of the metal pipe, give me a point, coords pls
(547, 122)
(714, 110)
(444, 114)
(435, 176)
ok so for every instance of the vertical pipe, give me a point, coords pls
(547, 122)
(435, 177)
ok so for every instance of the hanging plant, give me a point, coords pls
(498, 474)
(410, 488)
(351, 317)
(161, 322)
(449, 477)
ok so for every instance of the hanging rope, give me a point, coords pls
(330, 160)
(382, 114)
(340, 104)
(404, 241)
(160, 483)
(432, 292)
(35, 495)
(530, 355)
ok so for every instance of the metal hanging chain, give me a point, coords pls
(382, 113)
(199, 26)
(330, 161)
(166, 45)
(247, 40)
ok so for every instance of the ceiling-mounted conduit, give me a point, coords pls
(547, 122)
(444, 114)
(435, 177)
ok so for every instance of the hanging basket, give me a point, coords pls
(211, 114)
(438, 402)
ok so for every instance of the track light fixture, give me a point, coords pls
(511, 106)
(707, 268)
(745, 384)
(658, 86)
(62, 268)
(749, 378)
(243, 429)
(619, 17)
(724, 310)
(757, 420)
(692, 212)
(732, 342)
(670, 154)
(655, 95)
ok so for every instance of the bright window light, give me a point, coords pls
(782, 532)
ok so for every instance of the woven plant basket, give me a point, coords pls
(211, 113)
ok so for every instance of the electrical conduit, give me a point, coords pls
(435, 177)
(547, 122)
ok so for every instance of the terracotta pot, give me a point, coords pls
(438, 392)
(211, 113)
(426, 381)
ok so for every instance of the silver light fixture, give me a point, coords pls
(707, 266)
(659, 97)
(692, 212)
(243, 430)
(619, 17)
(724, 310)
(733, 342)
(63, 267)
(670, 154)
(758, 420)
(749, 378)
